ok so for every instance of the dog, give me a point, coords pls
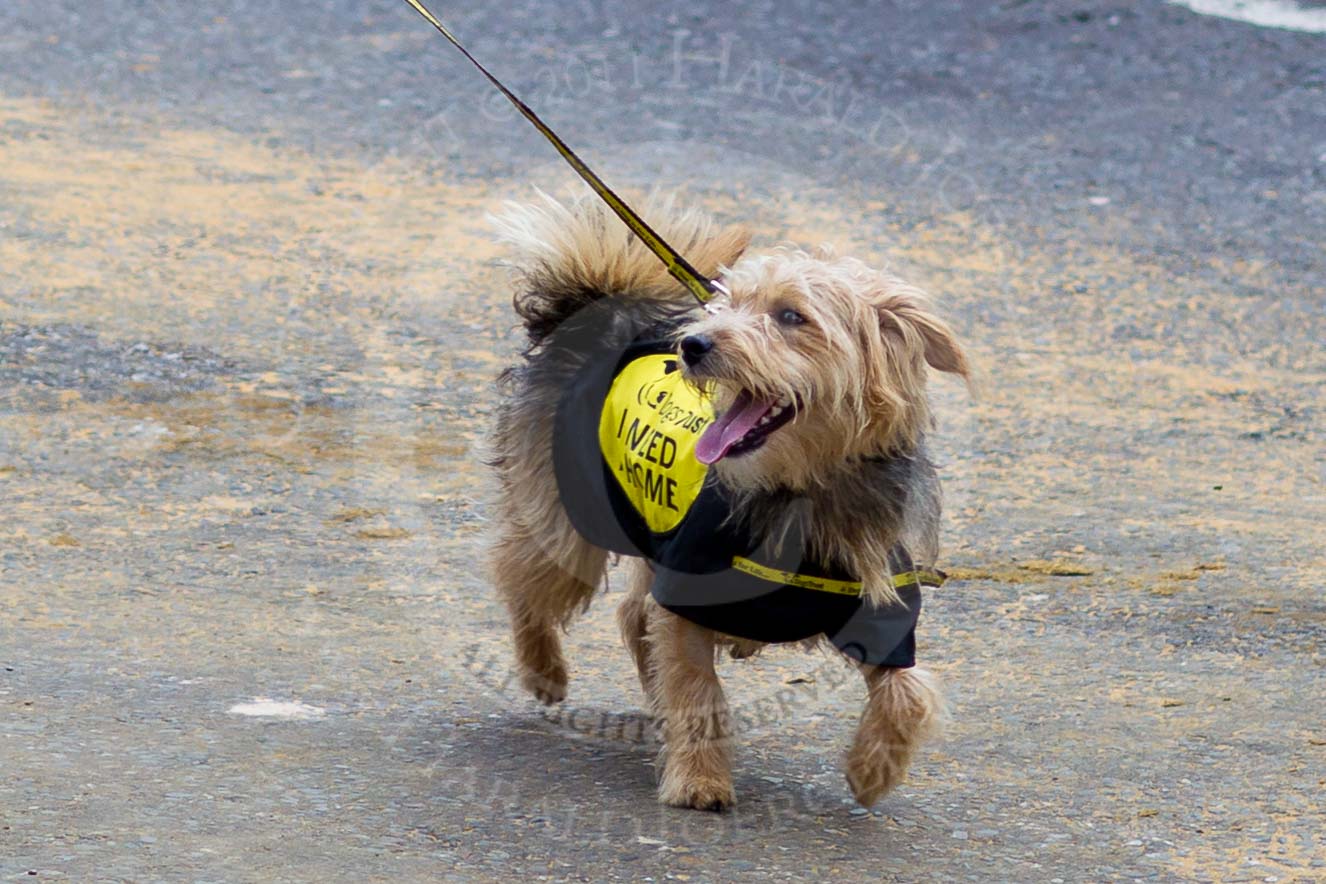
(767, 473)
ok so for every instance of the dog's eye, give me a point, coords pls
(788, 316)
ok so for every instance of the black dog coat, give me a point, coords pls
(623, 454)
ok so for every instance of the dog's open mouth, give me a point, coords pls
(743, 427)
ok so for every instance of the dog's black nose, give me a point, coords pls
(693, 348)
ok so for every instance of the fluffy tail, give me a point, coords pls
(569, 256)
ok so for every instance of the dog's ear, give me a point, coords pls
(908, 316)
(721, 250)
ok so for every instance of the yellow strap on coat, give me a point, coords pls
(825, 584)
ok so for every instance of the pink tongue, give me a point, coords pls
(728, 429)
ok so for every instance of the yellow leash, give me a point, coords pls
(697, 284)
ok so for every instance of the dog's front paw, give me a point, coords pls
(873, 772)
(547, 686)
(904, 709)
(701, 794)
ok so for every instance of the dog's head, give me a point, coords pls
(815, 360)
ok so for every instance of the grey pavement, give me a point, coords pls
(250, 319)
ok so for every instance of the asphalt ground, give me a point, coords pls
(250, 317)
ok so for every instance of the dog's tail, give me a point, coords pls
(568, 256)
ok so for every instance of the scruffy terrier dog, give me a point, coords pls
(762, 460)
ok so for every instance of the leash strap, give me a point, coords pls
(703, 288)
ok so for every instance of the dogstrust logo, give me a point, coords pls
(750, 109)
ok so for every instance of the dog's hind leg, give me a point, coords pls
(543, 591)
(633, 620)
(903, 708)
(697, 727)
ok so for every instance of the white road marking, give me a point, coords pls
(1266, 13)
(265, 707)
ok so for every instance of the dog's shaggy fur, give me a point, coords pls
(853, 353)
